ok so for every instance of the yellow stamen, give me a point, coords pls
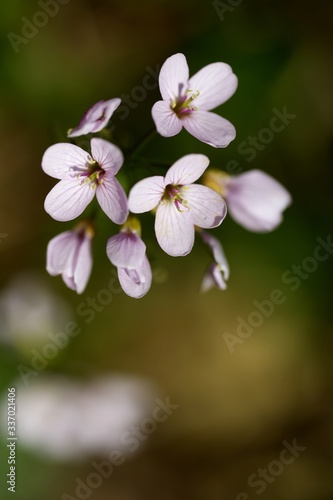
(132, 224)
(217, 180)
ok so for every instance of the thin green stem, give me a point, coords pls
(94, 211)
(132, 153)
(155, 163)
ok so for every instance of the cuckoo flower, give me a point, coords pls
(181, 205)
(187, 101)
(81, 176)
(69, 254)
(218, 272)
(127, 252)
(254, 199)
(96, 118)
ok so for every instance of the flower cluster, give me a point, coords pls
(181, 206)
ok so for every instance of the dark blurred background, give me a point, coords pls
(236, 408)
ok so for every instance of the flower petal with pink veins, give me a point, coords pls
(187, 169)
(146, 194)
(112, 199)
(96, 118)
(68, 199)
(136, 283)
(216, 84)
(174, 229)
(207, 207)
(209, 128)
(107, 155)
(166, 121)
(173, 78)
(60, 159)
(126, 249)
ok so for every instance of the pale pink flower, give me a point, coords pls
(218, 271)
(82, 175)
(187, 101)
(69, 254)
(127, 252)
(254, 199)
(181, 205)
(96, 118)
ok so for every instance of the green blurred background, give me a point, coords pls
(236, 408)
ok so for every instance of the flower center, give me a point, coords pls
(85, 229)
(91, 173)
(173, 193)
(183, 104)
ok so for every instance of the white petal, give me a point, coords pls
(173, 79)
(216, 84)
(69, 254)
(207, 207)
(187, 169)
(209, 128)
(166, 121)
(83, 265)
(217, 251)
(256, 200)
(59, 251)
(136, 283)
(60, 159)
(126, 249)
(146, 194)
(174, 230)
(68, 199)
(208, 282)
(213, 277)
(112, 199)
(69, 281)
(107, 155)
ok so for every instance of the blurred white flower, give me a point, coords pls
(66, 419)
(29, 310)
(255, 199)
